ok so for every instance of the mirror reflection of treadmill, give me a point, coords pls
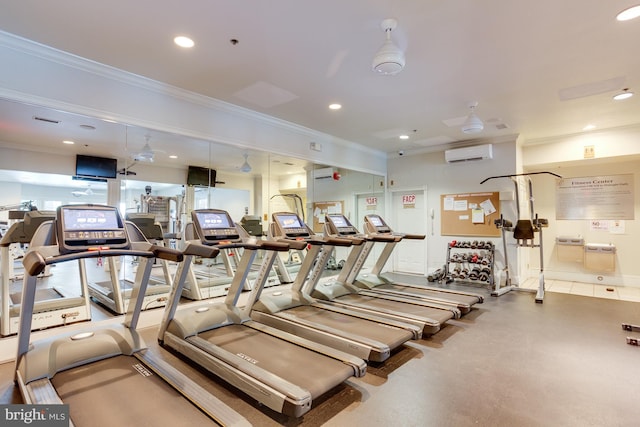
(96, 369)
(374, 281)
(62, 304)
(429, 316)
(280, 370)
(115, 293)
(365, 335)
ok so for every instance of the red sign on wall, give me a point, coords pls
(408, 199)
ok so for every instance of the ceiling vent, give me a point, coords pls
(466, 154)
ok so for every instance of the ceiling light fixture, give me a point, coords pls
(472, 124)
(625, 94)
(335, 106)
(404, 137)
(183, 41)
(68, 142)
(390, 59)
(629, 13)
(246, 167)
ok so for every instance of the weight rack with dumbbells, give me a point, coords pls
(470, 261)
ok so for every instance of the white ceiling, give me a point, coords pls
(543, 69)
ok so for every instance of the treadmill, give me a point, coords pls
(53, 307)
(365, 335)
(374, 281)
(115, 293)
(104, 373)
(280, 370)
(429, 316)
(213, 281)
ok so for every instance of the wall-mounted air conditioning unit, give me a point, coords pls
(323, 173)
(477, 152)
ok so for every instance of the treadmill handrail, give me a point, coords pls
(414, 236)
(201, 250)
(293, 243)
(37, 259)
(381, 238)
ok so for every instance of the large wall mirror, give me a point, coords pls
(166, 175)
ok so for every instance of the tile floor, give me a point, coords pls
(623, 293)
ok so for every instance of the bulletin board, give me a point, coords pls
(470, 214)
(320, 209)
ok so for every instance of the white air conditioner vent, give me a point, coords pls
(466, 154)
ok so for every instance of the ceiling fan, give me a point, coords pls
(86, 192)
(473, 123)
(146, 154)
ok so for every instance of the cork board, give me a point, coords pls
(320, 209)
(470, 214)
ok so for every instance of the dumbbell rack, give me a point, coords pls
(470, 262)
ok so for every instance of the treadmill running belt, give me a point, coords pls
(439, 316)
(389, 335)
(311, 371)
(456, 298)
(41, 295)
(119, 392)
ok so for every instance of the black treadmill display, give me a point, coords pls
(87, 219)
(291, 225)
(342, 224)
(378, 223)
(215, 225)
(84, 228)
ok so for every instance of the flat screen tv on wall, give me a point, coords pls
(201, 177)
(95, 168)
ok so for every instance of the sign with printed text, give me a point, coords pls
(409, 201)
(34, 415)
(371, 201)
(599, 198)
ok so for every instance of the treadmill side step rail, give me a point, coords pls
(208, 403)
(292, 401)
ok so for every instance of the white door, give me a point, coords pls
(409, 215)
(369, 203)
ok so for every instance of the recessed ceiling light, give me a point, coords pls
(629, 13)
(68, 142)
(335, 106)
(625, 94)
(589, 127)
(173, 156)
(404, 136)
(183, 41)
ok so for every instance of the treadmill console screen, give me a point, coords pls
(378, 223)
(83, 227)
(291, 224)
(214, 224)
(341, 224)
